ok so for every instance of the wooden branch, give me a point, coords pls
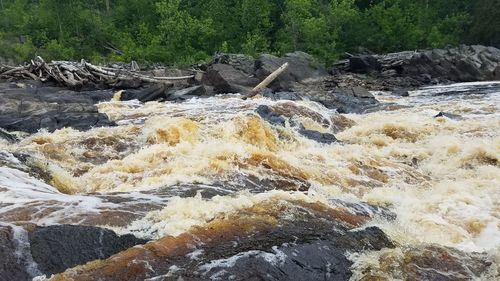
(269, 79)
(175, 78)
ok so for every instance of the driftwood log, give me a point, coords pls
(76, 74)
(269, 79)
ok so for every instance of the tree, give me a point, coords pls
(486, 23)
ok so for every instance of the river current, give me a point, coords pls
(432, 184)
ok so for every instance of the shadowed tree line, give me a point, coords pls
(188, 31)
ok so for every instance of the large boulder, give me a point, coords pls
(29, 108)
(240, 62)
(227, 79)
(156, 92)
(56, 248)
(301, 66)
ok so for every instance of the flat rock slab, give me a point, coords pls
(56, 248)
(273, 240)
(29, 108)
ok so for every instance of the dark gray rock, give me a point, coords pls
(449, 115)
(13, 266)
(195, 91)
(156, 92)
(313, 260)
(32, 108)
(240, 62)
(301, 67)
(401, 93)
(318, 136)
(267, 113)
(349, 100)
(364, 64)
(7, 136)
(274, 240)
(281, 95)
(227, 79)
(461, 64)
(56, 248)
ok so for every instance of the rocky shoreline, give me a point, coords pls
(28, 106)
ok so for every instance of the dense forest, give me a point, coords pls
(188, 31)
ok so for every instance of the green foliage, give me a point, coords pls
(486, 23)
(188, 31)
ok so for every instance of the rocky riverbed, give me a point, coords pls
(384, 168)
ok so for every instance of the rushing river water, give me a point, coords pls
(214, 185)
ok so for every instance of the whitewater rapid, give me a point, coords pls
(440, 176)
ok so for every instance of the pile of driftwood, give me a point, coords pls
(77, 74)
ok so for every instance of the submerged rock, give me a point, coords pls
(267, 113)
(7, 136)
(428, 262)
(449, 115)
(273, 240)
(56, 248)
(318, 136)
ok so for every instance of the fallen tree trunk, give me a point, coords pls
(74, 74)
(269, 79)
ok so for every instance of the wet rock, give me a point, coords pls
(153, 93)
(301, 66)
(316, 260)
(349, 100)
(341, 123)
(267, 113)
(318, 136)
(281, 95)
(32, 108)
(449, 115)
(427, 262)
(227, 79)
(414, 69)
(56, 248)
(7, 136)
(401, 93)
(13, 266)
(187, 93)
(273, 240)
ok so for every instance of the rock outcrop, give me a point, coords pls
(56, 248)
(233, 73)
(273, 240)
(31, 106)
(412, 69)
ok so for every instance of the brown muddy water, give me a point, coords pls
(224, 195)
